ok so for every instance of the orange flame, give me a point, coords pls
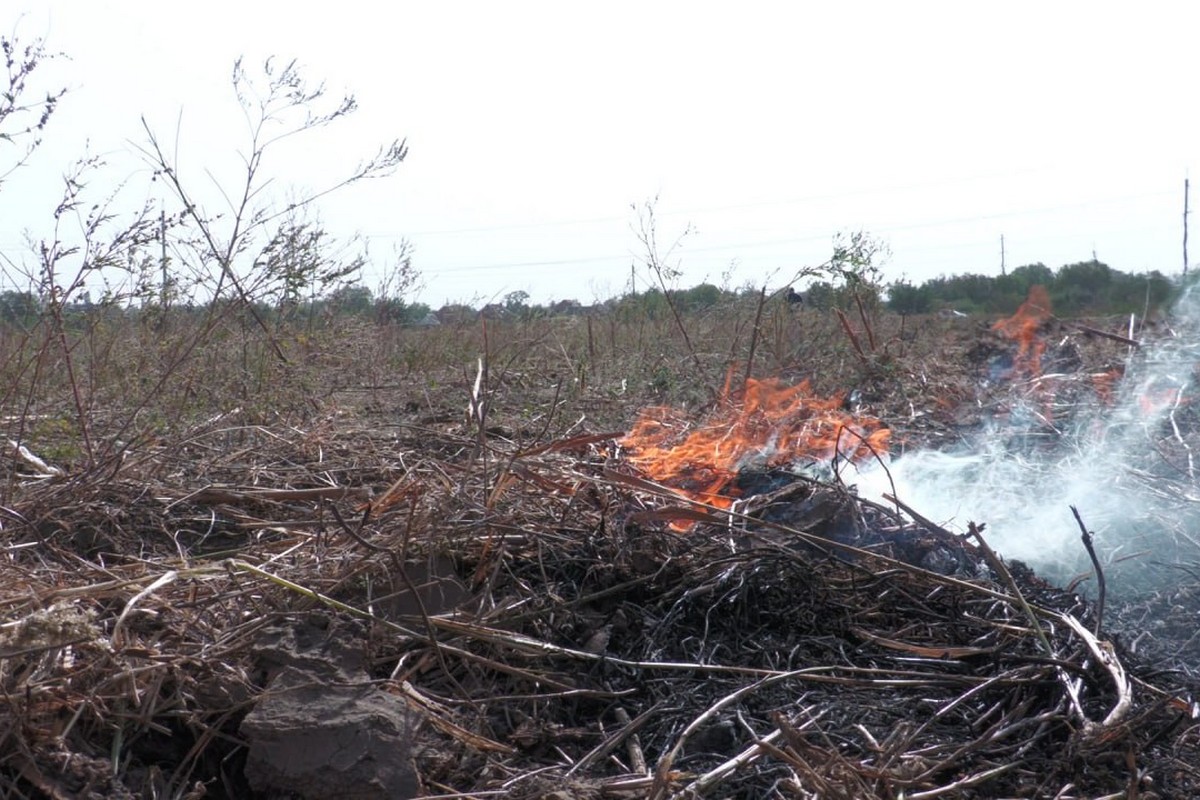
(1023, 327)
(1104, 384)
(766, 424)
(1156, 400)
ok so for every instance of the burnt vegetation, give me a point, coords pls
(269, 533)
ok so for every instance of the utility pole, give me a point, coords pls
(1002, 265)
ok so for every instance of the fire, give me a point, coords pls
(1155, 400)
(1024, 328)
(765, 424)
(1104, 384)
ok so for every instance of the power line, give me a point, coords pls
(793, 240)
(744, 245)
(912, 256)
(710, 209)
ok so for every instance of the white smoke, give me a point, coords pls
(1127, 467)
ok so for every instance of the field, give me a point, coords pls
(334, 558)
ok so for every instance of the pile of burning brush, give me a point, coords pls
(773, 454)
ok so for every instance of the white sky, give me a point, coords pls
(533, 128)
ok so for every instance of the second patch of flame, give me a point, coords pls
(1024, 327)
(765, 424)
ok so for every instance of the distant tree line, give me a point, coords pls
(1086, 287)
(23, 309)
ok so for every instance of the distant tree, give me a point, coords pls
(906, 298)
(415, 314)
(1029, 275)
(18, 307)
(565, 308)
(1007, 293)
(821, 295)
(703, 296)
(1089, 287)
(352, 299)
(651, 304)
(1083, 286)
(1159, 289)
(1138, 293)
(969, 293)
(455, 314)
(516, 304)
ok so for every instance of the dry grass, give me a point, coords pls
(450, 504)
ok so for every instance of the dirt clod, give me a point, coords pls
(321, 729)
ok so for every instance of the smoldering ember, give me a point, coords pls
(770, 550)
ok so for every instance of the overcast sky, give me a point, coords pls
(533, 128)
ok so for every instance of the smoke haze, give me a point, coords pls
(1127, 466)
